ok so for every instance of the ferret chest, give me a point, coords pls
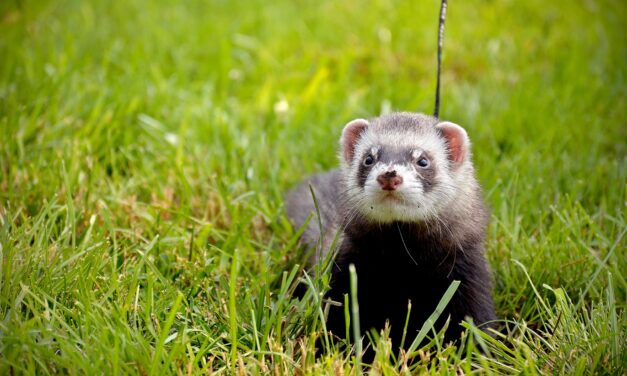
(392, 272)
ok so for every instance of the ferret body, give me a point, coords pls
(410, 216)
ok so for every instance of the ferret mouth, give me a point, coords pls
(391, 196)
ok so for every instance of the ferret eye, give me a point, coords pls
(369, 160)
(423, 162)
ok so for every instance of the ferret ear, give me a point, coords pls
(350, 135)
(457, 141)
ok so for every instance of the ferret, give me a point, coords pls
(409, 214)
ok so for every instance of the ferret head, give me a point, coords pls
(405, 167)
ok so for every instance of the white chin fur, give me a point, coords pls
(386, 212)
(402, 207)
(408, 203)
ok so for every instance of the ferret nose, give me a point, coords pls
(389, 180)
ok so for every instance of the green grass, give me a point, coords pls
(146, 147)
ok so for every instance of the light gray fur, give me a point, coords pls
(301, 207)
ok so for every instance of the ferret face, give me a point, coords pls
(402, 167)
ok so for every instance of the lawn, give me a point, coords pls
(146, 148)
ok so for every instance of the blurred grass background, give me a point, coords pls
(146, 148)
